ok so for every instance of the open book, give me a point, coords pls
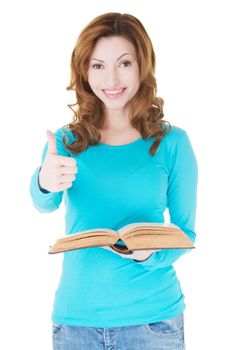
(135, 236)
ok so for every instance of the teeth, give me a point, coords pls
(113, 92)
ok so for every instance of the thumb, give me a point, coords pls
(51, 142)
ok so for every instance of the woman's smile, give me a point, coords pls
(114, 93)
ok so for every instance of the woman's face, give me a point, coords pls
(113, 72)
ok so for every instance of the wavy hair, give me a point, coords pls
(146, 109)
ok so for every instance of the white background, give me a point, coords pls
(194, 56)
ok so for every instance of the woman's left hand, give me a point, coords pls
(137, 254)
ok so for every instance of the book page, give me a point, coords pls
(89, 231)
(152, 224)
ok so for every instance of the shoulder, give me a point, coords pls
(177, 142)
(173, 136)
(179, 147)
(174, 133)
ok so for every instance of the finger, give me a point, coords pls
(66, 161)
(66, 178)
(110, 249)
(51, 142)
(114, 251)
(64, 186)
(68, 170)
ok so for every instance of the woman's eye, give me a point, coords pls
(97, 66)
(126, 62)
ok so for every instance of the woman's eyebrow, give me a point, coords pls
(126, 53)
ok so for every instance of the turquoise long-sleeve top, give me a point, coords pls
(115, 186)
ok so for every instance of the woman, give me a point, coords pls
(118, 162)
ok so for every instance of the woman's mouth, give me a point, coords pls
(114, 93)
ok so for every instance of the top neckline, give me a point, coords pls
(122, 146)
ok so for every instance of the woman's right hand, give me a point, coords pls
(57, 172)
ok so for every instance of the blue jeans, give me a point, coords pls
(164, 335)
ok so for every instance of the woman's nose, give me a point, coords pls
(112, 78)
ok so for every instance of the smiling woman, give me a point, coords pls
(116, 164)
(112, 73)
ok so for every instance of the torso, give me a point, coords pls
(115, 138)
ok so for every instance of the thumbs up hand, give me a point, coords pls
(57, 172)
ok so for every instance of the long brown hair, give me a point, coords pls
(146, 109)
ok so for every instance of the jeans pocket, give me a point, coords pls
(172, 327)
(57, 329)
